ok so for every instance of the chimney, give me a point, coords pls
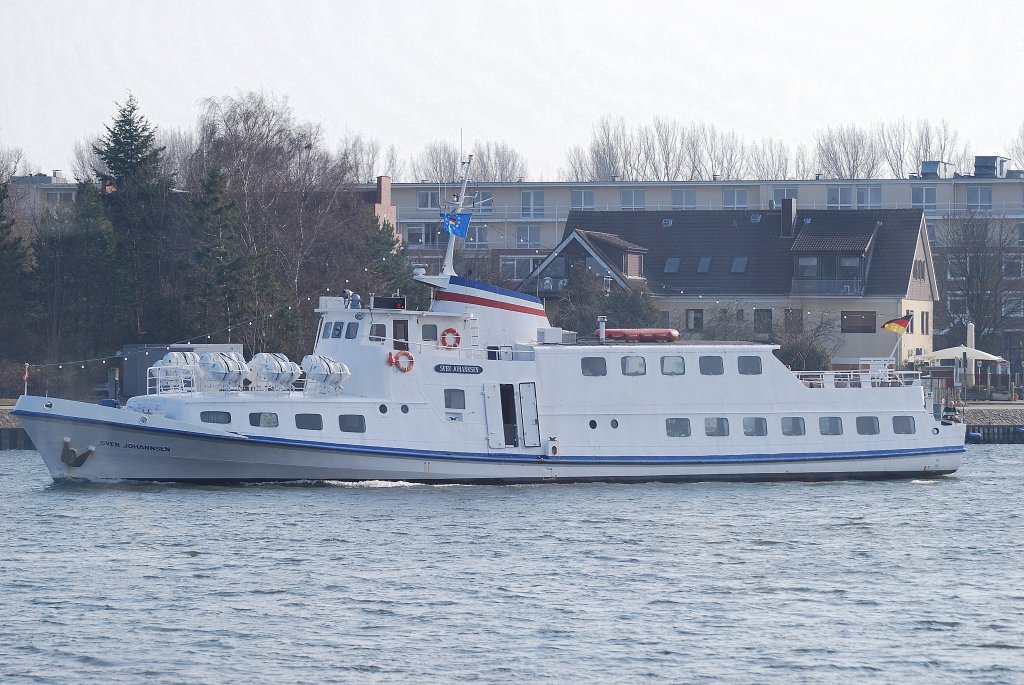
(788, 217)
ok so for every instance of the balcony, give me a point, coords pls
(827, 286)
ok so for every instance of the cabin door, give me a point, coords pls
(400, 334)
(530, 420)
(492, 413)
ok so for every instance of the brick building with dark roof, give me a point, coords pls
(865, 266)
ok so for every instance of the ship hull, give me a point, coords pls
(125, 445)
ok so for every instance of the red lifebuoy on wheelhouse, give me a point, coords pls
(450, 339)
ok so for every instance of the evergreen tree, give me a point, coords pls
(13, 256)
(127, 150)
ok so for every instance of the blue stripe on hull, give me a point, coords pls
(521, 458)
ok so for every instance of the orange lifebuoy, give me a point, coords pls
(450, 343)
(407, 355)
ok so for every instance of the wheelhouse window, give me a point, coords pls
(352, 330)
(594, 366)
(263, 419)
(903, 425)
(673, 365)
(328, 325)
(748, 365)
(338, 329)
(634, 366)
(309, 422)
(454, 398)
(429, 331)
(716, 426)
(215, 417)
(793, 425)
(677, 427)
(867, 425)
(352, 423)
(711, 365)
(378, 332)
(754, 426)
(830, 425)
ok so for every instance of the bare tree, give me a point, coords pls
(941, 142)
(179, 153)
(362, 157)
(724, 154)
(896, 140)
(1015, 148)
(983, 265)
(848, 152)
(394, 166)
(439, 162)
(11, 160)
(769, 160)
(497, 162)
(804, 166)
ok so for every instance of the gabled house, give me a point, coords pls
(778, 265)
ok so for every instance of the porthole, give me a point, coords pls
(405, 408)
(48, 405)
(935, 431)
(615, 423)
(593, 423)
(383, 409)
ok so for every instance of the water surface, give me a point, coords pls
(903, 581)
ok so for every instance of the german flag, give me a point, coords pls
(899, 325)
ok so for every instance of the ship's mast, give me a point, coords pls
(449, 255)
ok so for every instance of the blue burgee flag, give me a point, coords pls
(456, 224)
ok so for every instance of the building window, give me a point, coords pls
(672, 265)
(957, 267)
(684, 198)
(215, 417)
(309, 422)
(754, 426)
(527, 235)
(1020, 234)
(428, 199)
(632, 199)
(515, 268)
(695, 319)
(839, 197)
(263, 419)
(1012, 265)
(533, 203)
(857, 322)
(634, 366)
(922, 197)
(919, 270)
(734, 198)
(739, 265)
(748, 365)
(979, 198)
(483, 203)
(867, 425)
(677, 428)
(704, 265)
(593, 366)
(716, 426)
(633, 264)
(711, 365)
(925, 323)
(780, 193)
(903, 425)
(673, 366)
(793, 425)
(869, 197)
(418, 236)
(807, 267)
(910, 313)
(1012, 304)
(762, 320)
(454, 398)
(849, 268)
(830, 425)
(476, 237)
(581, 199)
(932, 232)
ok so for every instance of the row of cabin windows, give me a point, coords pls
(671, 365)
(378, 331)
(718, 426)
(347, 423)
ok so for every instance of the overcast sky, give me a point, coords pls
(534, 74)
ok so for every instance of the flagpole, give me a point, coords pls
(447, 269)
(24, 377)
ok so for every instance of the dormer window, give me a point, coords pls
(739, 265)
(704, 265)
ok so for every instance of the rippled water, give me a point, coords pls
(907, 581)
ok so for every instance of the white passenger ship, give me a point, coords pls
(480, 388)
